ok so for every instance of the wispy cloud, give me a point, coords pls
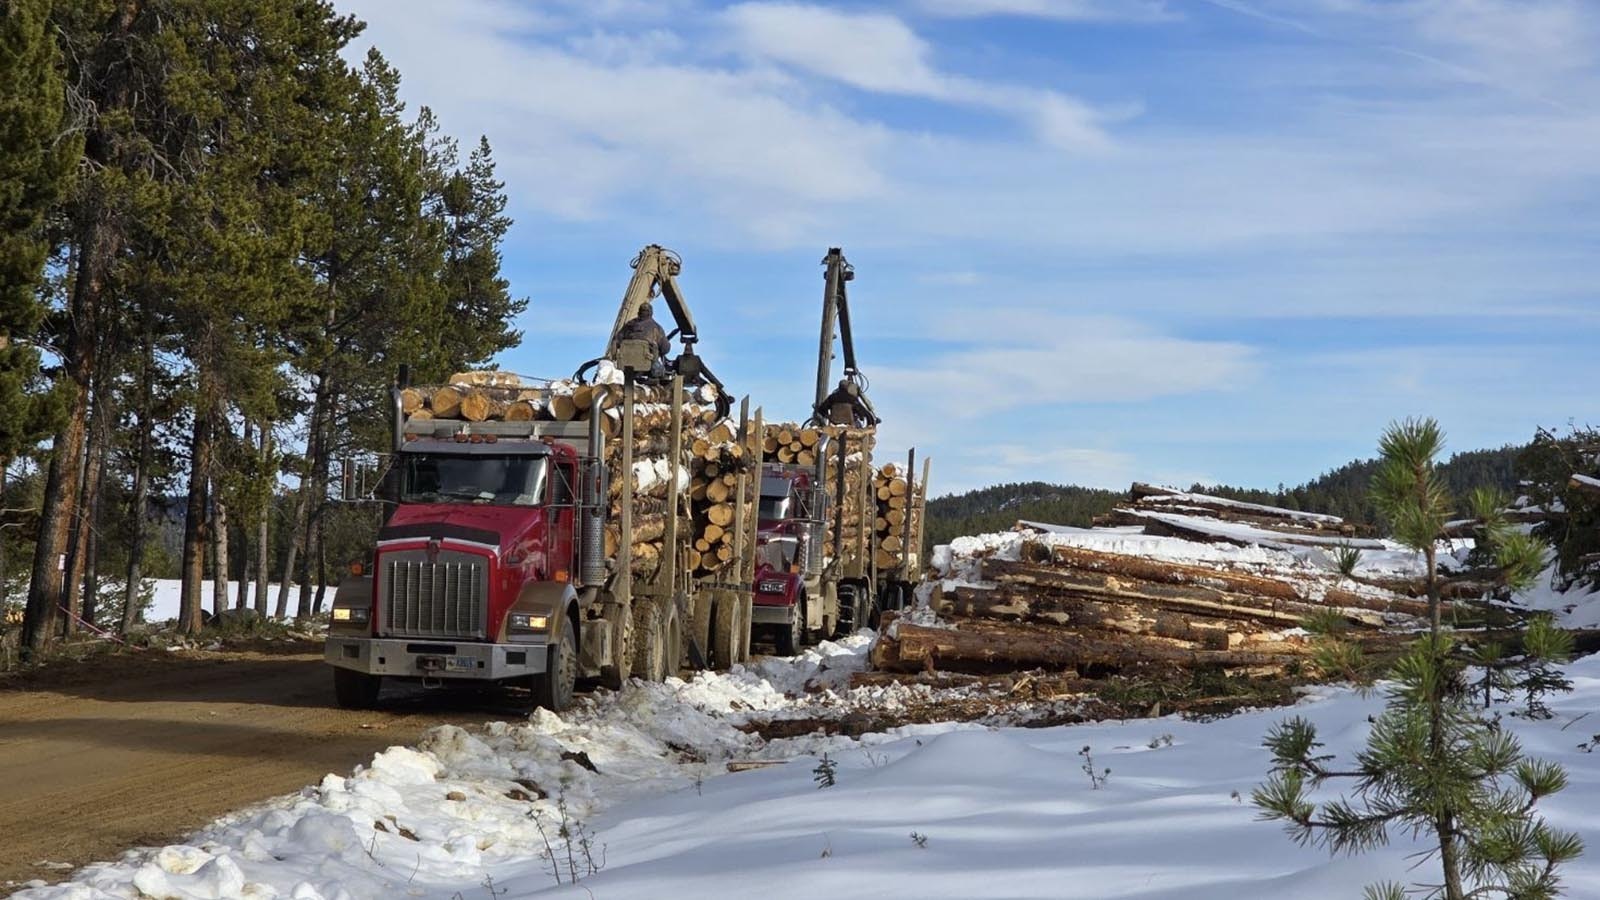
(1062, 10)
(879, 52)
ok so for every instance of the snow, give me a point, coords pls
(1186, 499)
(1585, 479)
(1003, 811)
(168, 596)
(1238, 531)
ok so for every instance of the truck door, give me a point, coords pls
(562, 519)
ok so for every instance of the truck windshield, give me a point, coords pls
(505, 480)
(773, 509)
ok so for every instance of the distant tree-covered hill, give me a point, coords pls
(1340, 492)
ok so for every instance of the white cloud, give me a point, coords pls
(1036, 358)
(587, 130)
(1064, 10)
(880, 53)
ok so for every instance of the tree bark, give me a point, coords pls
(141, 488)
(219, 556)
(263, 549)
(42, 616)
(82, 531)
(193, 560)
(312, 488)
(91, 563)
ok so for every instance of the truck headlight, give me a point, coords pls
(527, 622)
(355, 615)
(770, 587)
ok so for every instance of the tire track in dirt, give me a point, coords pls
(139, 749)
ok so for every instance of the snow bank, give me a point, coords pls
(1000, 811)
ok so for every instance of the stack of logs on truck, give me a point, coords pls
(1157, 583)
(874, 530)
(710, 464)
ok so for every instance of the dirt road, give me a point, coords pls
(142, 748)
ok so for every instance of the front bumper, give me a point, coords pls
(772, 615)
(436, 659)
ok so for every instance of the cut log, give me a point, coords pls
(720, 514)
(478, 406)
(445, 402)
(1183, 598)
(992, 647)
(521, 411)
(411, 400)
(562, 409)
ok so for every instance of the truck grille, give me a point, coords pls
(445, 598)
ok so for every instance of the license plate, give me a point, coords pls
(459, 664)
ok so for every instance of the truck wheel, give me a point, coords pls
(615, 675)
(790, 636)
(356, 690)
(672, 642)
(553, 689)
(730, 631)
(649, 644)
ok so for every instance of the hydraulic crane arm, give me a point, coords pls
(836, 312)
(655, 272)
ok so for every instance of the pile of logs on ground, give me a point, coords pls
(1098, 612)
(1168, 511)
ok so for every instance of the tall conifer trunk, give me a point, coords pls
(263, 548)
(141, 484)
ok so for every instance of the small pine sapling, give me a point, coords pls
(824, 773)
(1491, 657)
(921, 840)
(1544, 648)
(1430, 767)
(1346, 557)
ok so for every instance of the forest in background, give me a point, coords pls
(1344, 492)
(220, 240)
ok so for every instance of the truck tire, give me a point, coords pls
(730, 632)
(615, 675)
(672, 640)
(356, 690)
(788, 638)
(553, 690)
(649, 643)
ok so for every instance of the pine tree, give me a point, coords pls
(1431, 764)
(37, 149)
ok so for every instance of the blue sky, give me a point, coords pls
(1096, 240)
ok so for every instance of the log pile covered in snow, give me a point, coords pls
(1181, 588)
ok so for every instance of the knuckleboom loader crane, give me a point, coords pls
(815, 595)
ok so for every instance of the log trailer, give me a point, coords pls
(543, 534)
(824, 565)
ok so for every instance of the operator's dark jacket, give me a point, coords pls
(644, 327)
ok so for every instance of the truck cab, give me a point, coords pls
(787, 531)
(471, 576)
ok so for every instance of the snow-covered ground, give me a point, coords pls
(1000, 811)
(164, 603)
